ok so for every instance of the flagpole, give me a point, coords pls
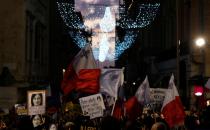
(113, 106)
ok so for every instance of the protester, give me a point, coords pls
(159, 126)
(37, 121)
(52, 126)
(149, 121)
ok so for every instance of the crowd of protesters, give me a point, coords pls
(149, 120)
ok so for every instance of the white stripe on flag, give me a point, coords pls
(110, 81)
(207, 85)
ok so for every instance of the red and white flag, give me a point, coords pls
(82, 73)
(172, 108)
(84, 59)
(134, 105)
(110, 81)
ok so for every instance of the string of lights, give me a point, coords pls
(78, 38)
(128, 40)
(69, 16)
(146, 13)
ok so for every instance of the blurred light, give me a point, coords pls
(134, 83)
(208, 102)
(200, 42)
(64, 71)
(198, 90)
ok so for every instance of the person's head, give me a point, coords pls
(36, 99)
(159, 126)
(52, 127)
(36, 120)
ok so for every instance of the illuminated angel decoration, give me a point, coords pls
(106, 23)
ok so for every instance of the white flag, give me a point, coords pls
(143, 92)
(84, 59)
(111, 80)
(207, 85)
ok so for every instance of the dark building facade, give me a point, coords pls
(170, 42)
(24, 49)
(25, 39)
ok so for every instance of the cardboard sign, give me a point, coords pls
(36, 102)
(92, 106)
(157, 96)
(20, 109)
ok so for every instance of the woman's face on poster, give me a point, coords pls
(37, 100)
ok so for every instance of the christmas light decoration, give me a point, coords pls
(128, 40)
(78, 38)
(69, 16)
(107, 23)
(104, 47)
(145, 15)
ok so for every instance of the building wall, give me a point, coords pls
(23, 32)
(37, 39)
(207, 33)
(200, 28)
(12, 35)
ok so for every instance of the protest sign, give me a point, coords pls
(36, 102)
(92, 106)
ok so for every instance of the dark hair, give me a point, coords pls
(32, 97)
(51, 125)
(159, 126)
(40, 118)
(32, 117)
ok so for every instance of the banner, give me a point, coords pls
(92, 106)
(157, 96)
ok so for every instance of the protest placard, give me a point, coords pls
(36, 101)
(92, 106)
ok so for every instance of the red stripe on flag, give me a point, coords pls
(88, 81)
(174, 113)
(69, 80)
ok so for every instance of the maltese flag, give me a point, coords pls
(82, 74)
(134, 105)
(110, 81)
(172, 108)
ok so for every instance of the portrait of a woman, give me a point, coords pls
(36, 99)
(36, 121)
